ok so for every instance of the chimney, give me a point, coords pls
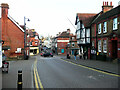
(68, 30)
(4, 9)
(106, 6)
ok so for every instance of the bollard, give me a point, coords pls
(19, 83)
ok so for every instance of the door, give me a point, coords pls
(114, 49)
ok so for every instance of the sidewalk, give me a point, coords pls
(96, 64)
(10, 80)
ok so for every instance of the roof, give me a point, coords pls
(64, 35)
(108, 14)
(86, 18)
(15, 23)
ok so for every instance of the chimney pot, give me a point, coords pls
(110, 3)
(107, 3)
(103, 3)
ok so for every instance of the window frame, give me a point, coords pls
(105, 46)
(105, 27)
(99, 28)
(115, 25)
(99, 46)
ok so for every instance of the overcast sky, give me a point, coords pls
(49, 17)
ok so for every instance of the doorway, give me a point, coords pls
(114, 49)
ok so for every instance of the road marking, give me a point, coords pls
(93, 69)
(36, 76)
(36, 83)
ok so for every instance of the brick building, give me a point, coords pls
(106, 33)
(62, 41)
(34, 42)
(73, 45)
(12, 34)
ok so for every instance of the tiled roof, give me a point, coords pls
(108, 14)
(86, 18)
(64, 35)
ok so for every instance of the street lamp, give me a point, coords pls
(25, 37)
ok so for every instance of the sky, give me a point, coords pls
(49, 17)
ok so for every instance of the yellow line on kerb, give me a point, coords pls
(36, 76)
(93, 69)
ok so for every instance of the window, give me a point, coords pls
(93, 43)
(115, 24)
(99, 28)
(78, 25)
(99, 46)
(88, 35)
(73, 44)
(104, 27)
(105, 46)
(73, 38)
(78, 34)
(83, 33)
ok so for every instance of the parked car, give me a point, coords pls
(41, 53)
(47, 54)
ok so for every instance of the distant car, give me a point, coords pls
(47, 54)
(41, 53)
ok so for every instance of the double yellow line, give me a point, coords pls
(36, 77)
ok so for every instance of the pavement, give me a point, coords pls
(10, 79)
(107, 66)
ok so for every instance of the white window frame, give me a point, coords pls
(99, 28)
(73, 44)
(115, 25)
(78, 34)
(99, 46)
(104, 27)
(105, 46)
(93, 43)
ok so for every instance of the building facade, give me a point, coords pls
(83, 32)
(62, 41)
(12, 35)
(34, 42)
(106, 33)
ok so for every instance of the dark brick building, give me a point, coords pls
(106, 33)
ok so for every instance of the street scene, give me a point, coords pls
(59, 72)
(59, 44)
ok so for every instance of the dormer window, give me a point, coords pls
(99, 28)
(115, 24)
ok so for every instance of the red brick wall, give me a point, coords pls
(118, 46)
(12, 36)
(62, 45)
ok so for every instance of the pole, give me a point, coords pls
(19, 84)
(24, 39)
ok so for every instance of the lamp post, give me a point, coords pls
(25, 57)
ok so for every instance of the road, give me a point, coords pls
(52, 72)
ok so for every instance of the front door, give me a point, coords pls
(114, 49)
